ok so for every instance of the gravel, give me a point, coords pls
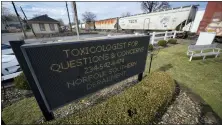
(12, 95)
(188, 108)
(182, 111)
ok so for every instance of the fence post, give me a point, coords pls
(165, 37)
(174, 35)
(153, 37)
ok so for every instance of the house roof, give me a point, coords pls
(42, 19)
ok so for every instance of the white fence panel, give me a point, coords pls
(163, 35)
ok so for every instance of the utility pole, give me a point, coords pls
(23, 13)
(27, 22)
(68, 16)
(76, 18)
(19, 20)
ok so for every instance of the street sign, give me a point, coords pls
(66, 71)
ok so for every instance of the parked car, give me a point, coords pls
(10, 65)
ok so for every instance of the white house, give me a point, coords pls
(44, 24)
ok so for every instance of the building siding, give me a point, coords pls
(212, 19)
(36, 28)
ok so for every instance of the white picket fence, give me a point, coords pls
(156, 36)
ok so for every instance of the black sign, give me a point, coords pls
(67, 71)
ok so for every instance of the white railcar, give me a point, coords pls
(193, 26)
(164, 20)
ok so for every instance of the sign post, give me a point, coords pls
(18, 53)
(140, 77)
(59, 73)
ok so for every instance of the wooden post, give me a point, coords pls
(153, 38)
(19, 20)
(76, 18)
(174, 34)
(68, 16)
(151, 59)
(24, 66)
(165, 37)
(27, 22)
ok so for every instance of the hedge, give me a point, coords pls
(172, 41)
(136, 105)
(21, 82)
(162, 43)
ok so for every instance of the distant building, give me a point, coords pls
(44, 24)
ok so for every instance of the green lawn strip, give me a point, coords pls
(25, 111)
(203, 77)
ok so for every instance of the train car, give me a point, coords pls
(193, 26)
(163, 20)
(90, 26)
(212, 20)
(107, 24)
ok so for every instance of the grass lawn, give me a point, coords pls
(203, 77)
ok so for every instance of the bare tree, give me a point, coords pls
(126, 14)
(150, 6)
(7, 15)
(88, 17)
(61, 22)
(5, 11)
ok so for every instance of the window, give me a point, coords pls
(42, 27)
(52, 27)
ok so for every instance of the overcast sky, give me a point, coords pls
(102, 10)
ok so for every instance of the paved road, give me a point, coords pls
(6, 37)
(13, 36)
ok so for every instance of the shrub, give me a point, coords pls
(136, 105)
(172, 41)
(150, 47)
(21, 82)
(162, 43)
